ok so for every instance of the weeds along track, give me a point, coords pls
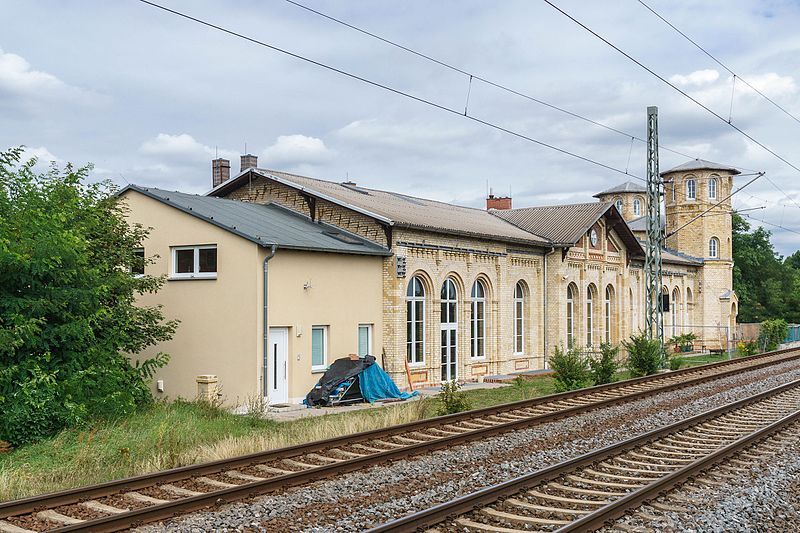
(595, 489)
(128, 502)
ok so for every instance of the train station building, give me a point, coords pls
(275, 275)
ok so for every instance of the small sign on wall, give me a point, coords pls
(400, 262)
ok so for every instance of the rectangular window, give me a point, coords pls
(137, 269)
(364, 340)
(194, 262)
(319, 348)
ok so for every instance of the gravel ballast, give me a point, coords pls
(366, 498)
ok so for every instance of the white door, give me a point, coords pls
(277, 366)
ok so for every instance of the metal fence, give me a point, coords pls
(794, 333)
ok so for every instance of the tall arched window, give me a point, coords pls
(607, 305)
(589, 315)
(713, 248)
(637, 207)
(478, 320)
(449, 329)
(688, 308)
(519, 318)
(415, 321)
(570, 316)
(712, 189)
(675, 312)
(618, 205)
(691, 190)
(632, 310)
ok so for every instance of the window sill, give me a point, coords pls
(319, 369)
(190, 278)
(417, 365)
(483, 358)
(519, 354)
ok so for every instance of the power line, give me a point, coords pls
(473, 76)
(720, 63)
(751, 217)
(675, 87)
(390, 89)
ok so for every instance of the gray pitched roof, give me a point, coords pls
(701, 164)
(265, 224)
(628, 186)
(565, 224)
(668, 255)
(399, 209)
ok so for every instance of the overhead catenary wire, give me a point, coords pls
(388, 88)
(487, 81)
(720, 63)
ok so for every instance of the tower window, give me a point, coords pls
(691, 190)
(637, 208)
(712, 189)
(618, 205)
(713, 248)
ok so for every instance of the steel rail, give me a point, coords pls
(638, 497)
(475, 500)
(166, 510)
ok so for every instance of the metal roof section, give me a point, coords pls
(399, 209)
(265, 224)
(628, 186)
(701, 164)
(565, 224)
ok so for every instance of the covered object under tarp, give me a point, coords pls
(354, 380)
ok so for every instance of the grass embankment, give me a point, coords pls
(694, 360)
(168, 435)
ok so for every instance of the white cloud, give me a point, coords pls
(772, 84)
(182, 148)
(295, 150)
(698, 77)
(42, 154)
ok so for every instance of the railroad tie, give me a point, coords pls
(139, 497)
(523, 520)
(323, 458)
(387, 444)
(591, 492)
(553, 497)
(8, 527)
(95, 505)
(610, 484)
(58, 517)
(245, 477)
(477, 526)
(272, 470)
(533, 507)
(299, 464)
(347, 453)
(407, 440)
(668, 508)
(180, 491)
(215, 483)
(370, 449)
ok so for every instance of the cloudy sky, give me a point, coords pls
(150, 98)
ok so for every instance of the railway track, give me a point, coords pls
(593, 490)
(120, 504)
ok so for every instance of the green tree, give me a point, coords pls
(570, 368)
(69, 323)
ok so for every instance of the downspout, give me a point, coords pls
(544, 314)
(264, 372)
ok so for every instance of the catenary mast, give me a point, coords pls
(652, 265)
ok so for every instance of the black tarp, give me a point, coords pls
(340, 371)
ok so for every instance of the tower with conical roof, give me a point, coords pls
(629, 199)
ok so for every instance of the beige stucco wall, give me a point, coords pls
(219, 317)
(345, 291)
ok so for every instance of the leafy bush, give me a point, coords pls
(675, 362)
(746, 348)
(684, 342)
(68, 319)
(645, 356)
(453, 399)
(570, 368)
(604, 367)
(773, 332)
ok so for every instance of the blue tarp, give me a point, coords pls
(377, 385)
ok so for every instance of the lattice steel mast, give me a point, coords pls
(654, 323)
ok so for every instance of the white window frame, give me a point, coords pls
(369, 338)
(713, 248)
(196, 274)
(618, 204)
(691, 189)
(477, 329)
(144, 257)
(589, 318)
(607, 306)
(637, 207)
(417, 359)
(519, 318)
(715, 183)
(570, 317)
(324, 366)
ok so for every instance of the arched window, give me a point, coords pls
(687, 309)
(675, 312)
(712, 189)
(415, 321)
(449, 328)
(637, 207)
(691, 190)
(589, 315)
(607, 305)
(478, 320)
(519, 318)
(632, 310)
(674, 186)
(570, 316)
(713, 248)
(618, 205)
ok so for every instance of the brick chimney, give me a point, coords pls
(498, 202)
(220, 171)
(248, 161)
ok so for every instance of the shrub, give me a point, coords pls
(684, 342)
(604, 367)
(453, 399)
(746, 348)
(675, 362)
(645, 355)
(570, 368)
(773, 332)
